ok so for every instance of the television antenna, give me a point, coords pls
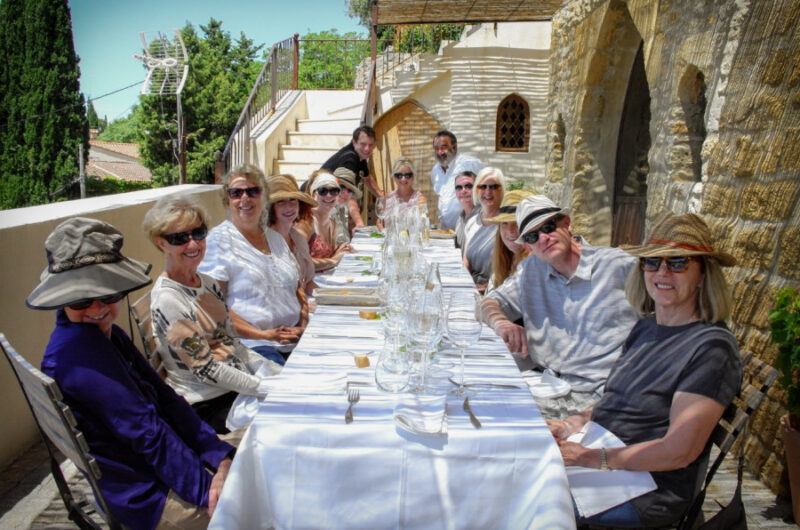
(167, 68)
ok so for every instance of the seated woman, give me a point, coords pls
(320, 230)
(679, 369)
(464, 184)
(205, 362)
(404, 194)
(256, 269)
(479, 233)
(154, 452)
(347, 202)
(287, 204)
(507, 254)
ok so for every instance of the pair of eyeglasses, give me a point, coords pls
(236, 193)
(460, 187)
(533, 236)
(333, 192)
(177, 239)
(678, 264)
(490, 186)
(407, 176)
(107, 300)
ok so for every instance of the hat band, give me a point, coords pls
(669, 243)
(537, 213)
(83, 261)
(508, 209)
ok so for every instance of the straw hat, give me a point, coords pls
(284, 187)
(347, 179)
(508, 207)
(85, 263)
(534, 210)
(680, 235)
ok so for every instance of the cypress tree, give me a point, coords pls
(43, 119)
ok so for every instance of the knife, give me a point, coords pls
(472, 418)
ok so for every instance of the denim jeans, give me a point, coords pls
(622, 516)
(268, 352)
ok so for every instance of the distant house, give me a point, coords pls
(115, 159)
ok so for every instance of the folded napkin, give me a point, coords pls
(330, 383)
(421, 414)
(596, 491)
(546, 386)
(354, 278)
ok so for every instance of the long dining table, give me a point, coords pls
(301, 466)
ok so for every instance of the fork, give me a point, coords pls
(353, 395)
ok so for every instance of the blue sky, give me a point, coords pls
(106, 34)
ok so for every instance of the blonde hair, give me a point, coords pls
(171, 209)
(714, 299)
(505, 262)
(487, 173)
(402, 161)
(252, 174)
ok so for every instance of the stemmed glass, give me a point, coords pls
(380, 208)
(463, 328)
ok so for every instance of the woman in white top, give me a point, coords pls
(479, 233)
(405, 194)
(256, 269)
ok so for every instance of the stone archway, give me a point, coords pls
(406, 130)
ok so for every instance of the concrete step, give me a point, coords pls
(331, 125)
(331, 139)
(305, 153)
(299, 170)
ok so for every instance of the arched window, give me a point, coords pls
(513, 125)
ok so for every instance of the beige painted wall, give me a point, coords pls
(22, 258)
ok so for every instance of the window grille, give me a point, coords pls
(513, 125)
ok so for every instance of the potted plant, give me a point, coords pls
(785, 327)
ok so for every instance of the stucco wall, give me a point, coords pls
(743, 58)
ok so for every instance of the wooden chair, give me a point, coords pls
(58, 428)
(140, 316)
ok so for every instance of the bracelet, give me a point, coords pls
(604, 460)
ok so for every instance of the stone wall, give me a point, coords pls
(724, 81)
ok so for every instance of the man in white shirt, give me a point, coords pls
(449, 164)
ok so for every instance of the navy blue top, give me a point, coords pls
(347, 157)
(145, 437)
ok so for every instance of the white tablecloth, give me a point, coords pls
(301, 466)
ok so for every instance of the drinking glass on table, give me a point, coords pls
(463, 328)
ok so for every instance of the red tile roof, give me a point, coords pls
(131, 150)
(122, 170)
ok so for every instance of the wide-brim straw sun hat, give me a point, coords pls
(533, 211)
(347, 178)
(324, 180)
(508, 208)
(284, 187)
(679, 235)
(85, 263)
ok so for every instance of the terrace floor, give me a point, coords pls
(29, 499)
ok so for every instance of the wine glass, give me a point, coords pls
(380, 208)
(462, 328)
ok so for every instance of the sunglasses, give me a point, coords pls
(406, 176)
(490, 186)
(107, 300)
(177, 239)
(333, 192)
(459, 187)
(533, 236)
(673, 264)
(236, 193)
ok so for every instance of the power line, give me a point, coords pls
(67, 107)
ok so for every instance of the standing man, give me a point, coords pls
(571, 297)
(354, 155)
(449, 164)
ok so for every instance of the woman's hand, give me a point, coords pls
(216, 484)
(578, 455)
(559, 429)
(282, 334)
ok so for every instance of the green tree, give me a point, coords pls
(94, 120)
(43, 119)
(330, 60)
(123, 129)
(221, 74)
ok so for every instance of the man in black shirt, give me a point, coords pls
(354, 155)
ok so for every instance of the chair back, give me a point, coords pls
(58, 427)
(140, 316)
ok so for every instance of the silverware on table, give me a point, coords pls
(472, 418)
(498, 385)
(353, 395)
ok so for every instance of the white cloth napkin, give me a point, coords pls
(546, 386)
(421, 414)
(596, 491)
(306, 383)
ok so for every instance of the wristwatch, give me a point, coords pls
(603, 460)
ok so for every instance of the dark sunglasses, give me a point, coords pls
(107, 300)
(406, 176)
(673, 264)
(333, 192)
(236, 193)
(490, 186)
(459, 187)
(177, 239)
(533, 236)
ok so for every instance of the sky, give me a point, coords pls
(106, 35)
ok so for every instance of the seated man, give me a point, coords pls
(571, 297)
(449, 164)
